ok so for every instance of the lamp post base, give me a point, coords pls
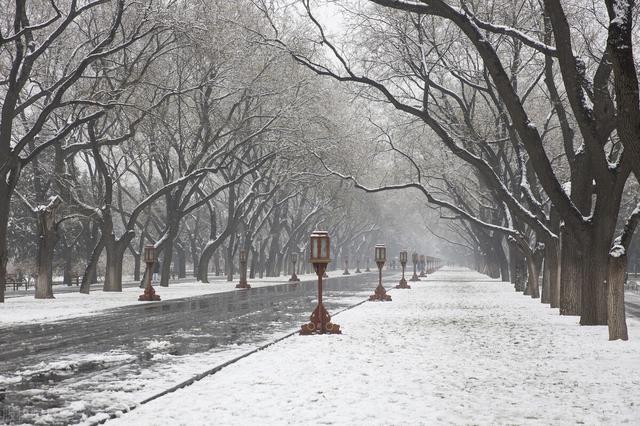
(149, 295)
(422, 274)
(294, 278)
(415, 277)
(346, 273)
(380, 294)
(320, 323)
(403, 284)
(243, 285)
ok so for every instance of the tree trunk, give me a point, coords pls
(262, 259)
(216, 263)
(533, 278)
(518, 265)
(181, 261)
(551, 284)
(113, 269)
(5, 196)
(229, 259)
(48, 236)
(272, 257)
(617, 323)
(136, 266)
(165, 266)
(254, 263)
(92, 265)
(115, 255)
(594, 290)
(67, 269)
(195, 260)
(504, 262)
(571, 273)
(203, 264)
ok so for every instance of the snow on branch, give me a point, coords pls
(419, 186)
(511, 32)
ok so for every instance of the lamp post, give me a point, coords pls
(294, 259)
(422, 263)
(381, 257)
(346, 265)
(403, 263)
(414, 260)
(358, 271)
(242, 256)
(149, 294)
(320, 320)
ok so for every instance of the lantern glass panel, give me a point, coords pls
(149, 253)
(324, 248)
(320, 246)
(315, 252)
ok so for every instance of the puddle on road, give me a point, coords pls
(151, 348)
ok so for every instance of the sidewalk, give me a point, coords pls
(456, 349)
(23, 309)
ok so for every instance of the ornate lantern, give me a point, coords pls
(403, 257)
(320, 256)
(403, 263)
(294, 259)
(149, 294)
(380, 255)
(320, 248)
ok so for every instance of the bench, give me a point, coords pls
(17, 281)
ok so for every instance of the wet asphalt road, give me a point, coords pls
(39, 388)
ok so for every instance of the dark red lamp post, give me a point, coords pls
(403, 263)
(414, 260)
(380, 293)
(149, 294)
(242, 257)
(294, 260)
(320, 320)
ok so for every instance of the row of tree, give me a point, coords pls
(125, 123)
(520, 119)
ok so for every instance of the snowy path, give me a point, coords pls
(457, 349)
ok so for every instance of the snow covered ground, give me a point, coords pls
(457, 349)
(69, 305)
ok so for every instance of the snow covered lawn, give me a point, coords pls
(70, 305)
(457, 349)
